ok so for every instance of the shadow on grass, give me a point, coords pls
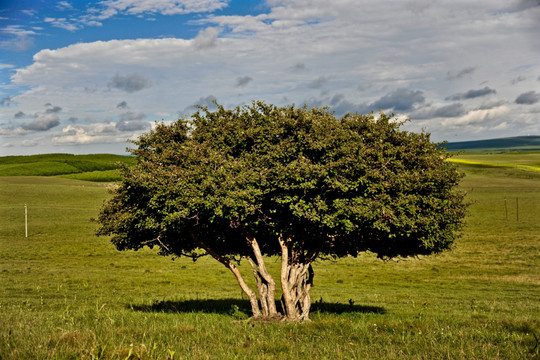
(228, 306)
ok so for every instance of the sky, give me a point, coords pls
(83, 77)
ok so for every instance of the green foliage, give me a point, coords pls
(62, 164)
(334, 187)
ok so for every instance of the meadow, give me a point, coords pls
(94, 167)
(66, 294)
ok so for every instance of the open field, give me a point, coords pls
(66, 294)
(97, 167)
(522, 165)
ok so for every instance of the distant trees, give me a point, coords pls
(298, 183)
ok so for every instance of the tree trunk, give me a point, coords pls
(266, 286)
(296, 282)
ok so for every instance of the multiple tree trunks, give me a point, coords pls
(296, 282)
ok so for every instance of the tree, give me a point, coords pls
(299, 183)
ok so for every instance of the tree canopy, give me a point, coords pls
(263, 180)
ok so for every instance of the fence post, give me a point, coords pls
(25, 221)
(517, 210)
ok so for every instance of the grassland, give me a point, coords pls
(97, 167)
(65, 294)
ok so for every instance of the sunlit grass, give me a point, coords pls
(495, 164)
(66, 294)
(97, 176)
(61, 164)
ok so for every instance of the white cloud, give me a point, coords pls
(397, 56)
(129, 83)
(243, 81)
(206, 38)
(63, 23)
(478, 117)
(165, 7)
(16, 37)
(64, 5)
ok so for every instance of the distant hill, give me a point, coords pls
(103, 167)
(95, 167)
(511, 144)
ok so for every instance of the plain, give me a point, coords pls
(65, 293)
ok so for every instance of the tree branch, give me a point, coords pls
(158, 239)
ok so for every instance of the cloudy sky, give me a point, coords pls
(85, 76)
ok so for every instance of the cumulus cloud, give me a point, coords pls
(491, 104)
(528, 98)
(207, 101)
(53, 110)
(30, 143)
(381, 46)
(401, 99)
(478, 117)
(206, 38)
(460, 74)
(471, 94)
(129, 83)
(15, 37)
(243, 81)
(106, 9)
(518, 80)
(298, 67)
(42, 122)
(132, 116)
(446, 111)
(337, 103)
(98, 133)
(122, 105)
(318, 83)
(164, 7)
(63, 23)
(6, 101)
(64, 5)
(124, 125)
(19, 115)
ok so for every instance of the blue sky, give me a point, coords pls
(85, 76)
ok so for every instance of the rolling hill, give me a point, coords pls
(511, 144)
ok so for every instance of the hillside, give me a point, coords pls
(94, 167)
(511, 144)
(103, 167)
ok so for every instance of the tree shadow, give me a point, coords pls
(229, 306)
(210, 306)
(340, 308)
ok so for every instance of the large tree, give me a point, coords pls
(299, 183)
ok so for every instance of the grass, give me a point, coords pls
(97, 167)
(65, 294)
(524, 163)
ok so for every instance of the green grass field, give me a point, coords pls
(65, 294)
(97, 167)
